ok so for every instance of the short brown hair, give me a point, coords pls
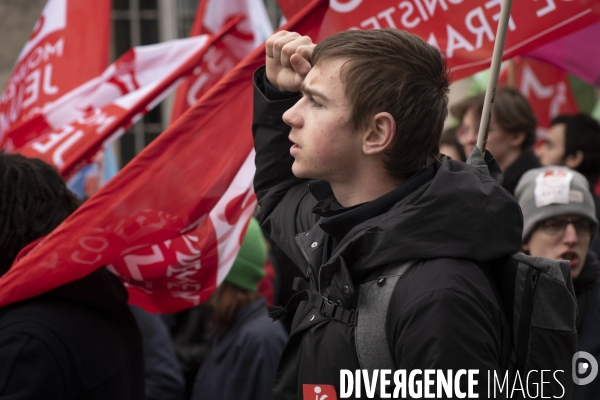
(511, 110)
(396, 72)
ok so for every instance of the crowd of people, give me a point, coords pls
(382, 236)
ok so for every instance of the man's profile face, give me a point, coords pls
(552, 149)
(498, 139)
(324, 145)
(566, 237)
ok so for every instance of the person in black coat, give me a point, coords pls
(560, 222)
(243, 353)
(357, 186)
(163, 376)
(77, 341)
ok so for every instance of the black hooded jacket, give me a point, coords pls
(587, 290)
(444, 313)
(78, 341)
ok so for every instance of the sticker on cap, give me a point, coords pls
(552, 187)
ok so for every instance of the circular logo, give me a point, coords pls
(344, 6)
(582, 367)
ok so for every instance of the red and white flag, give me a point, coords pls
(250, 32)
(170, 223)
(68, 46)
(464, 31)
(546, 87)
(76, 125)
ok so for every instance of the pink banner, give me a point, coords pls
(578, 54)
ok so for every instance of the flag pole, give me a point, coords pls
(490, 91)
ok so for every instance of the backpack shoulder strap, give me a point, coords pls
(374, 296)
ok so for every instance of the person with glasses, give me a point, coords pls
(559, 218)
(512, 132)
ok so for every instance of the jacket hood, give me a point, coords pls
(461, 213)
(101, 291)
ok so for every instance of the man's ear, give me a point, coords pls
(379, 134)
(516, 139)
(574, 160)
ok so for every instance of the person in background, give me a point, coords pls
(574, 141)
(511, 132)
(559, 223)
(244, 352)
(450, 146)
(163, 376)
(77, 341)
(191, 331)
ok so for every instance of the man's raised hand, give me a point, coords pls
(288, 60)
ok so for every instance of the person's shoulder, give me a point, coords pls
(446, 278)
(259, 331)
(34, 361)
(30, 342)
(31, 316)
(262, 328)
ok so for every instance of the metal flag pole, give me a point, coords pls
(490, 91)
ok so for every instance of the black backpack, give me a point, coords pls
(537, 296)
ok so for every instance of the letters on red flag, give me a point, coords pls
(465, 30)
(82, 120)
(546, 87)
(166, 222)
(68, 46)
(212, 15)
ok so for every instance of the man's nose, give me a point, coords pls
(570, 235)
(292, 117)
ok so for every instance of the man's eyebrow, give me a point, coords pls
(312, 92)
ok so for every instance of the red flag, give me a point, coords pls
(164, 222)
(546, 87)
(212, 15)
(68, 46)
(290, 7)
(82, 120)
(465, 30)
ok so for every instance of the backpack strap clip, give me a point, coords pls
(328, 308)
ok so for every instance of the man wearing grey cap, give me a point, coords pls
(559, 222)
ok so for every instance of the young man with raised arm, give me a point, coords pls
(351, 185)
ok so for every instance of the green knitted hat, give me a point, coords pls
(247, 269)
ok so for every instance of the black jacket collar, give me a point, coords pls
(338, 220)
